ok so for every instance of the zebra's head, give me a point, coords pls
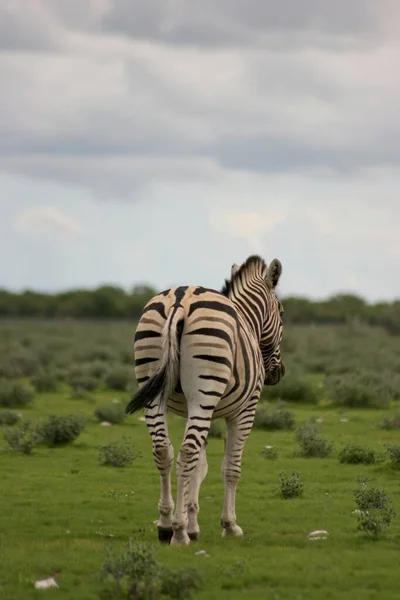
(256, 278)
(271, 337)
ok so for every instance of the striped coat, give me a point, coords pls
(204, 354)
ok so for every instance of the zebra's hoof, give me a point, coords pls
(232, 531)
(165, 534)
(194, 536)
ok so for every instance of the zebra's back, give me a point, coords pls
(219, 361)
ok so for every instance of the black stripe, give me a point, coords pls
(197, 428)
(144, 361)
(202, 290)
(212, 393)
(146, 333)
(214, 378)
(142, 379)
(179, 294)
(221, 360)
(213, 332)
(158, 307)
(213, 305)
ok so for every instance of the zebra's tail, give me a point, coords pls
(164, 380)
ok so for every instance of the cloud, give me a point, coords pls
(28, 26)
(94, 105)
(249, 226)
(48, 220)
(251, 22)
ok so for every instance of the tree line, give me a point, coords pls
(112, 302)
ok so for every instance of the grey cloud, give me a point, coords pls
(246, 21)
(27, 26)
(113, 114)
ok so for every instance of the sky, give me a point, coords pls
(160, 142)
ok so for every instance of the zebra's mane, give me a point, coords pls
(254, 265)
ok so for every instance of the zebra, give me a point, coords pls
(205, 354)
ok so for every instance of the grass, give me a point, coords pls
(60, 508)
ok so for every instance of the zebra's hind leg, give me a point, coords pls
(238, 431)
(197, 428)
(197, 478)
(163, 455)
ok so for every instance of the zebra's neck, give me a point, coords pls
(250, 303)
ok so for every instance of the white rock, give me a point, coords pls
(142, 419)
(319, 420)
(105, 424)
(201, 553)
(318, 534)
(43, 584)
(344, 420)
(116, 401)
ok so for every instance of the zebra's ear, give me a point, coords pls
(234, 269)
(274, 273)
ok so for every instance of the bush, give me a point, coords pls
(217, 430)
(21, 438)
(392, 422)
(358, 390)
(291, 486)
(21, 363)
(8, 417)
(355, 454)
(45, 381)
(374, 509)
(97, 369)
(294, 389)
(15, 394)
(312, 442)
(270, 452)
(81, 384)
(394, 453)
(137, 574)
(120, 378)
(59, 430)
(273, 419)
(117, 454)
(111, 412)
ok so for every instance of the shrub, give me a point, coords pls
(20, 363)
(137, 574)
(117, 454)
(374, 509)
(392, 422)
(217, 430)
(294, 389)
(312, 442)
(354, 454)
(120, 378)
(45, 381)
(291, 486)
(15, 394)
(97, 369)
(21, 438)
(111, 412)
(8, 417)
(81, 384)
(273, 419)
(358, 390)
(394, 453)
(61, 430)
(98, 353)
(270, 452)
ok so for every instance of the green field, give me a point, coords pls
(60, 508)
